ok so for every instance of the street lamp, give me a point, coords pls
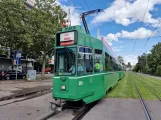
(9, 52)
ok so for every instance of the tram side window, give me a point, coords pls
(114, 65)
(98, 60)
(85, 64)
(107, 62)
(111, 64)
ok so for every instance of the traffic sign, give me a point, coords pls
(17, 57)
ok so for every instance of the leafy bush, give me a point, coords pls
(158, 70)
(147, 70)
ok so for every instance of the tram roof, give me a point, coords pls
(95, 41)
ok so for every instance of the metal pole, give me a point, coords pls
(16, 70)
(146, 58)
(9, 52)
(33, 65)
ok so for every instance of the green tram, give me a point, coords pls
(76, 77)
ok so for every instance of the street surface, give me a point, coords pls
(157, 77)
(31, 109)
(8, 88)
(108, 108)
(154, 107)
(122, 109)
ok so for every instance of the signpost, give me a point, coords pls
(17, 60)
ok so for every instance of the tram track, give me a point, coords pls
(146, 111)
(46, 117)
(151, 90)
(143, 89)
(26, 97)
(81, 112)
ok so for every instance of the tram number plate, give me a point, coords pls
(80, 82)
(63, 87)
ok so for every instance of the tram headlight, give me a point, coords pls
(63, 87)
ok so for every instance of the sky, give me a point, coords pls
(131, 27)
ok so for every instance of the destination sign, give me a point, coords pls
(67, 39)
(66, 36)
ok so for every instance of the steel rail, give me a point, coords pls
(79, 116)
(146, 86)
(82, 113)
(27, 97)
(49, 115)
(147, 114)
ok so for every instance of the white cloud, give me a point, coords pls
(140, 33)
(112, 37)
(130, 58)
(125, 12)
(74, 14)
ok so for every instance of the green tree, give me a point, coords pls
(142, 66)
(129, 65)
(153, 65)
(12, 27)
(120, 59)
(154, 59)
(31, 31)
(158, 70)
(142, 62)
(44, 25)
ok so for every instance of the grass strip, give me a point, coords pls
(125, 88)
(153, 84)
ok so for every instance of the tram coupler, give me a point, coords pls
(58, 107)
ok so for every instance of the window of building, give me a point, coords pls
(85, 61)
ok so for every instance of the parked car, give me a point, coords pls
(11, 74)
(0, 75)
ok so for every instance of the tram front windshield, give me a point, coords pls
(65, 61)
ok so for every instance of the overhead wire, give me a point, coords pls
(150, 37)
(95, 19)
(141, 25)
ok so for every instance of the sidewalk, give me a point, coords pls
(13, 88)
(148, 75)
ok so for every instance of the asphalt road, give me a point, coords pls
(106, 109)
(116, 109)
(32, 109)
